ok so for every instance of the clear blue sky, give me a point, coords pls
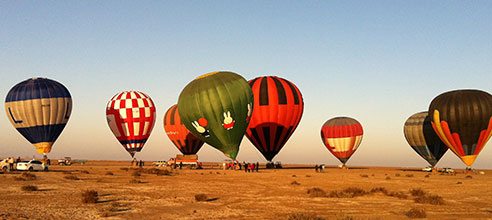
(376, 61)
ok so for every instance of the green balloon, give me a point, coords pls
(216, 107)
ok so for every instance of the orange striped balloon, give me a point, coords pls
(342, 136)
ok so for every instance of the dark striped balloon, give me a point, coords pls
(421, 137)
(183, 139)
(278, 108)
(39, 109)
(463, 121)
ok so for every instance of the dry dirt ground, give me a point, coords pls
(269, 194)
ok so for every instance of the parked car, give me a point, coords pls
(160, 163)
(67, 161)
(32, 165)
(427, 169)
(4, 164)
(447, 170)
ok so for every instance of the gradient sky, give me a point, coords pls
(376, 61)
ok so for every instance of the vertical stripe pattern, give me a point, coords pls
(183, 139)
(131, 117)
(278, 109)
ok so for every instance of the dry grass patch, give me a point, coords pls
(364, 175)
(379, 190)
(316, 192)
(29, 188)
(29, 176)
(84, 171)
(109, 173)
(90, 196)
(409, 175)
(430, 199)
(71, 177)
(136, 173)
(397, 174)
(417, 192)
(124, 168)
(135, 181)
(416, 213)
(388, 178)
(302, 216)
(469, 177)
(295, 183)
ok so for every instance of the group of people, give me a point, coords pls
(251, 167)
(12, 163)
(137, 163)
(319, 168)
(248, 167)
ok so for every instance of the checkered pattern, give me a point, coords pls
(131, 117)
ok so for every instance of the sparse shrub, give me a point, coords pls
(302, 216)
(409, 175)
(308, 175)
(124, 168)
(379, 189)
(84, 171)
(427, 176)
(430, 199)
(29, 176)
(364, 175)
(18, 178)
(109, 173)
(338, 194)
(295, 183)
(388, 178)
(469, 177)
(373, 174)
(90, 196)
(71, 177)
(417, 192)
(316, 192)
(29, 188)
(294, 175)
(165, 173)
(67, 172)
(354, 191)
(397, 174)
(459, 182)
(201, 197)
(399, 195)
(135, 181)
(416, 213)
(345, 217)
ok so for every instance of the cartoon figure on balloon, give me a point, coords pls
(228, 121)
(200, 127)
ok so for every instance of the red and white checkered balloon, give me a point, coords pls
(131, 117)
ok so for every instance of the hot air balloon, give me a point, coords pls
(342, 137)
(131, 118)
(422, 138)
(183, 139)
(215, 107)
(463, 121)
(278, 110)
(39, 108)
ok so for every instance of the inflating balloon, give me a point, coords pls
(421, 137)
(131, 118)
(342, 136)
(183, 139)
(278, 108)
(39, 108)
(463, 121)
(216, 108)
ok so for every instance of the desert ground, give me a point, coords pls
(126, 192)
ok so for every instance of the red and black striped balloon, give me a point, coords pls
(278, 108)
(185, 141)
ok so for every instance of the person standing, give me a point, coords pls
(257, 166)
(11, 163)
(245, 167)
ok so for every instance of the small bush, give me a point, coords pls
(90, 196)
(18, 178)
(135, 181)
(308, 175)
(302, 216)
(409, 175)
(379, 189)
(459, 182)
(430, 199)
(364, 175)
(316, 192)
(29, 176)
(29, 188)
(469, 177)
(338, 194)
(109, 173)
(397, 174)
(201, 197)
(294, 175)
(427, 176)
(71, 177)
(295, 183)
(399, 195)
(136, 173)
(417, 192)
(388, 178)
(354, 191)
(124, 168)
(345, 217)
(84, 171)
(416, 213)
(165, 173)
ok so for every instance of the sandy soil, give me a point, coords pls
(269, 194)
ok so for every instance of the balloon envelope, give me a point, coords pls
(183, 139)
(463, 121)
(278, 108)
(39, 108)
(214, 107)
(342, 136)
(421, 137)
(131, 118)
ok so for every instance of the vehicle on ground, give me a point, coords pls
(191, 160)
(4, 164)
(447, 170)
(160, 163)
(32, 165)
(67, 161)
(427, 169)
